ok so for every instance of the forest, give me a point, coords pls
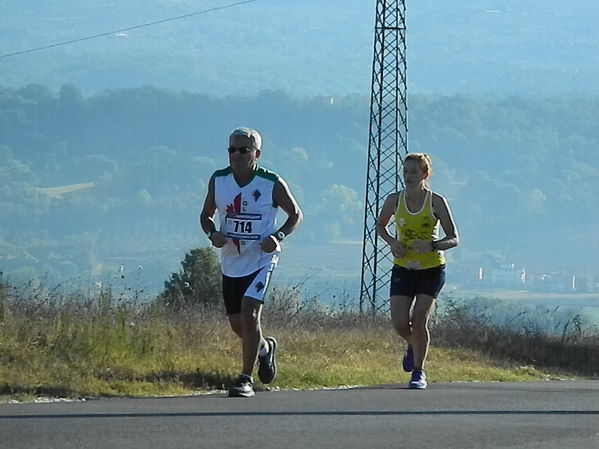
(94, 186)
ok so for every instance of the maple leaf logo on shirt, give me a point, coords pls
(235, 208)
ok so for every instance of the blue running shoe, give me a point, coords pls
(408, 360)
(418, 380)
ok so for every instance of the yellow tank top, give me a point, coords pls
(421, 225)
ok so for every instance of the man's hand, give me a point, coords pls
(269, 244)
(218, 240)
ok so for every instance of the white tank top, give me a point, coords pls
(247, 215)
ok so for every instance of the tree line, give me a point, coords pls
(89, 181)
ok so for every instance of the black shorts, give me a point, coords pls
(253, 285)
(410, 283)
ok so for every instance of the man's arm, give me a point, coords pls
(283, 198)
(207, 218)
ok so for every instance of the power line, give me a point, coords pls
(136, 27)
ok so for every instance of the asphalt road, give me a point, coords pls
(548, 415)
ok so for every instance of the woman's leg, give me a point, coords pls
(423, 307)
(400, 316)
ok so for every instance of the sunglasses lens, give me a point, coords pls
(242, 150)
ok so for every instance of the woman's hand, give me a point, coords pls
(422, 246)
(397, 249)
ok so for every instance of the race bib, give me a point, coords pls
(242, 226)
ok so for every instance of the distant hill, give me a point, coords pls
(303, 48)
(521, 176)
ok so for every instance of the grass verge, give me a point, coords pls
(70, 348)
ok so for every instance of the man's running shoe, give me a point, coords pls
(418, 380)
(267, 366)
(408, 360)
(243, 387)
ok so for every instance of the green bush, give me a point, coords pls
(198, 282)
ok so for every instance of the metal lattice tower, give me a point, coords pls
(387, 145)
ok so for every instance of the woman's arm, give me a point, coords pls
(443, 213)
(383, 220)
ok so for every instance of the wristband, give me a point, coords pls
(434, 246)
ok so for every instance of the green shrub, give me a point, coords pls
(198, 282)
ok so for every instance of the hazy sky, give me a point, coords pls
(305, 48)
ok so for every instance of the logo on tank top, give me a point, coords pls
(259, 286)
(256, 194)
(235, 208)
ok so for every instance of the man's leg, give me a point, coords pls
(235, 322)
(251, 310)
(233, 289)
(251, 333)
(246, 324)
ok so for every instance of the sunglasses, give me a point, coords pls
(242, 150)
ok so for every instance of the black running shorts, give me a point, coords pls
(410, 283)
(253, 285)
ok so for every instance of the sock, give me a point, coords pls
(247, 376)
(264, 349)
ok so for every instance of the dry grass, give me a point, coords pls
(571, 346)
(76, 346)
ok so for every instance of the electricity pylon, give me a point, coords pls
(387, 145)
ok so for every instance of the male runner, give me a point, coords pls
(247, 198)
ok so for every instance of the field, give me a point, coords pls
(107, 345)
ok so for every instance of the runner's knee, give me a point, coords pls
(235, 323)
(403, 329)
